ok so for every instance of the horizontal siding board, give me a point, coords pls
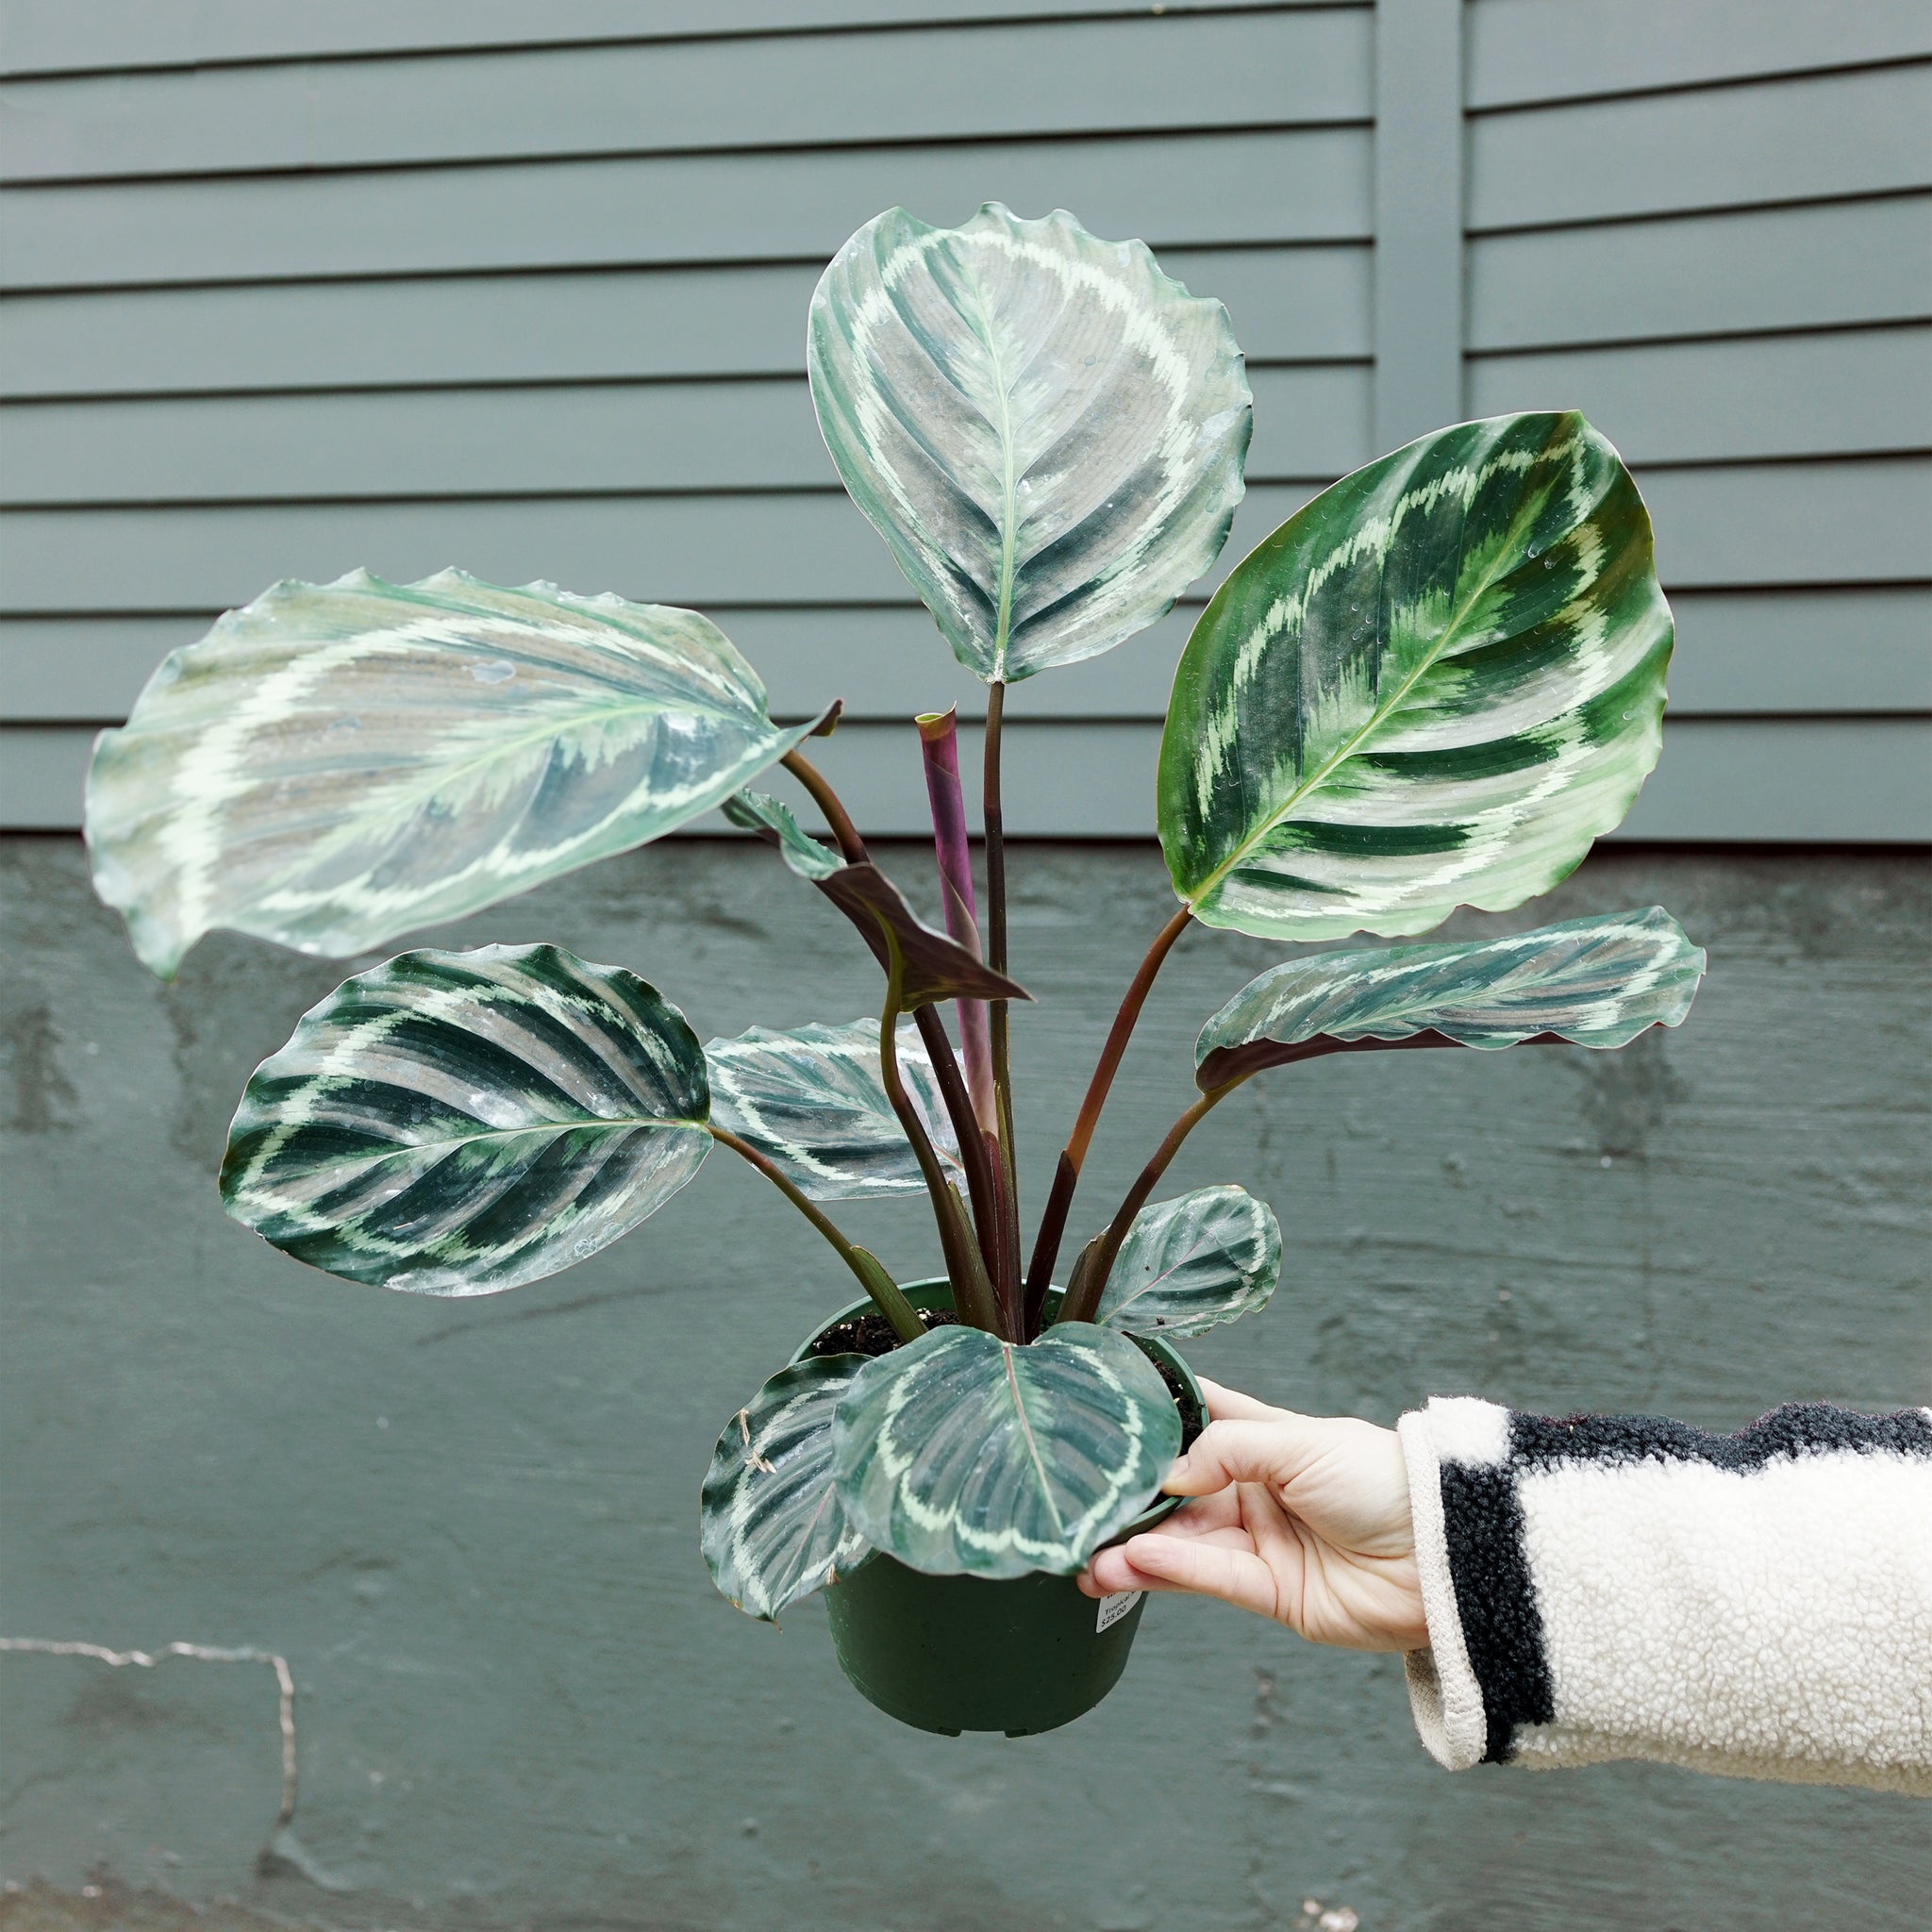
(1297, 185)
(1755, 525)
(1287, 303)
(1738, 651)
(1835, 780)
(1863, 390)
(1529, 50)
(1311, 422)
(118, 36)
(1744, 525)
(694, 550)
(1757, 269)
(1808, 140)
(1822, 780)
(1150, 73)
(1799, 650)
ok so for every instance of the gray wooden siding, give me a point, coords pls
(291, 288)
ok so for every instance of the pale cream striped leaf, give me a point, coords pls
(455, 1124)
(1596, 982)
(1434, 686)
(961, 1452)
(771, 1522)
(338, 763)
(812, 1100)
(1048, 430)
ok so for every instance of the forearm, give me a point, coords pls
(1621, 1587)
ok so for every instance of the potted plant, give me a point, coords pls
(1434, 686)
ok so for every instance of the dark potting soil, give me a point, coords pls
(872, 1334)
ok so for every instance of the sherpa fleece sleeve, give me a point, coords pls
(1759, 1605)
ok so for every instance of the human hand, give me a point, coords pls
(1303, 1519)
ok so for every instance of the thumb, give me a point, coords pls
(1269, 1451)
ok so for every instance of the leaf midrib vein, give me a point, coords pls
(1009, 481)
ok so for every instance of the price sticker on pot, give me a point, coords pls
(1112, 1608)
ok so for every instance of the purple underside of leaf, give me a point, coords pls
(935, 968)
(1227, 1063)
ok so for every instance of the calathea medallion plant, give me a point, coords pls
(1432, 687)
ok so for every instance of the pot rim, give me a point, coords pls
(936, 1285)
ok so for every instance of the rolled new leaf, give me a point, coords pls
(935, 967)
(812, 1100)
(770, 1523)
(1192, 1263)
(1433, 685)
(338, 763)
(455, 1124)
(963, 1454)
(1593, 982)
(1046, 430)
(938, 743)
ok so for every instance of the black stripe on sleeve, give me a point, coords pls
(1502, 1628)
(1806, 1428)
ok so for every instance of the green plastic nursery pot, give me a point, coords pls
(952, 1653)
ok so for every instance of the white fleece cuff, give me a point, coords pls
(1444, 1694)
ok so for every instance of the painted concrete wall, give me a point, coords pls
(471, 1525)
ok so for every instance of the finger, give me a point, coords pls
(1274, 1451)
(1112, 1572)
(1233, 1575)
(1202, 1515)
(1231, 1405)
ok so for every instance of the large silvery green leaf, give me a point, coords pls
(1048, 430)
(812, 1100)
(771, 1522)
(454, 1124)
(963, 1452)
(1593, 982)
(1189, 1264)
(338, 763)
(1434, 686)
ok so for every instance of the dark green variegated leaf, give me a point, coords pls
(772, 1526)
(458, 1122)
(1594, 982)
(1189, 1264)
(753, 811)
(1047, 431)
(1434, 686)
(341, 762)
(963, 1452)
(811, 1100)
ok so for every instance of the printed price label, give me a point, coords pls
(1112, 1608)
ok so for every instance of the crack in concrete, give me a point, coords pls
(200, 1652)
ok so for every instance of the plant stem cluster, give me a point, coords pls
(979, 1239)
